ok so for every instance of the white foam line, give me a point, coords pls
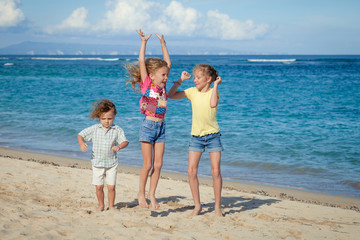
(271, 60)
(76, 59)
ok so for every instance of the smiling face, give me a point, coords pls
(201, 80)
(107, 119)
(160, 76)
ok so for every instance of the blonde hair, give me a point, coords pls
(152, 65)
(102, 106)
(208, 70)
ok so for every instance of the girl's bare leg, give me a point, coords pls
(215, 158)
(159, 149)
(100, 197)
(194, 158)
(111, 196)
(146, 149)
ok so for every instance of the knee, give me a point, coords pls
(111, 188)
(99, 188)
(158, 166)
(192, 172)
(215, 173)
(146, 167)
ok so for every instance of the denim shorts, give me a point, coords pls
(211, 141)
(152, 131)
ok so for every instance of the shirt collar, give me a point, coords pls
(101, 126)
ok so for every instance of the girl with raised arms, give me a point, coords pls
(152, 75)
(205, 130)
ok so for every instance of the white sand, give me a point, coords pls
(45, 201)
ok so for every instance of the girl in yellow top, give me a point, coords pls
(205, 130)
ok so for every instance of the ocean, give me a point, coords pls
(290, 121)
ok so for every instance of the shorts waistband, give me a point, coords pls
(206, 134)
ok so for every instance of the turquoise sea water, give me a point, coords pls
(288, 121)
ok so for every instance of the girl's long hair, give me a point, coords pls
(208, 70)
(133, 70)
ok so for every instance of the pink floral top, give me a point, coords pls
(154, 99)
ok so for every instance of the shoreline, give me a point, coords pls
(269, 191)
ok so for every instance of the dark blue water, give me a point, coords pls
(292, 122)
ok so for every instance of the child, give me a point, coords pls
(107, 139)
(152, 75)
(205, 130)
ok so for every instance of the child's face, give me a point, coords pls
(160, 77)
(201, 80)
(107, 119)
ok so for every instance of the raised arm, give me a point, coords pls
(214, 100)
(173, 90)
(142, 66)
(164, 49)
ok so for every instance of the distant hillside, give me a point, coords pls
(40, 48)
(45, 48)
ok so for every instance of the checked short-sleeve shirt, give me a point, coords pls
(103, 141)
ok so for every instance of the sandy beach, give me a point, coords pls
(51, 197)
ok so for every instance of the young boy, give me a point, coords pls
(107, 140)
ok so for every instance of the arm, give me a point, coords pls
(164, 49)
(142, 66)
(214, 100)
(122, 145)
(181, 94)
(83, 145)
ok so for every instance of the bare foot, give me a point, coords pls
(112, 209)
(100, 208)
(196, 211)
(154, 203)
(218, 212)
(142, 201)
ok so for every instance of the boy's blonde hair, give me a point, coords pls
(208, 70)
(152, 65)
(102, 106)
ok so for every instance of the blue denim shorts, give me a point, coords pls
(211, 142)
(152, 131)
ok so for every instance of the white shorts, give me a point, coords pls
(100, 172)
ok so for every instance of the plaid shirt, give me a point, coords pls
(102, 154)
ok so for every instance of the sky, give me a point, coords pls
(230, 26)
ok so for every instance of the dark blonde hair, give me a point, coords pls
(152, 65)
(102, 106)
(208, 70)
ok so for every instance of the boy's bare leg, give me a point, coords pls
(159, 149)
(111, 196)
(146, 149)
(215, 158)
(194, 158)
(100, 197)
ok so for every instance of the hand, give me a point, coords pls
(185, 76)
(218, 81)
(142, 35)
(161, 38)
(83, 147)
(116, 148)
